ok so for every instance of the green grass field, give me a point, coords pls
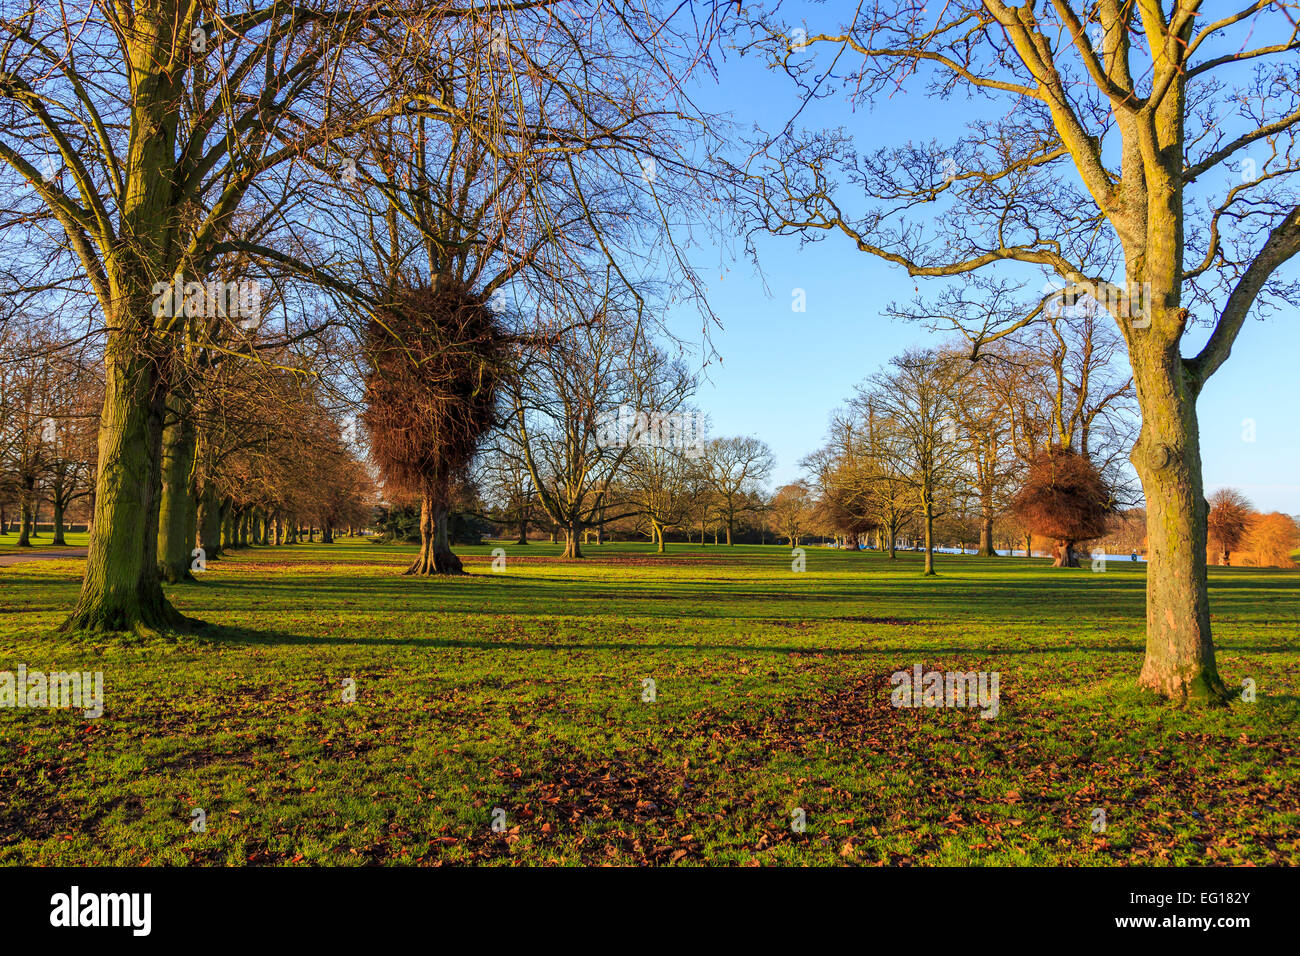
(42, 542)
(522, 692)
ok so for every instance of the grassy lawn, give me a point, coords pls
(43, 542)
(523, 691)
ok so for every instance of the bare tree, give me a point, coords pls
(791, 512)
(657, 482)
(916, 401)
(576, 407)
(735, 468)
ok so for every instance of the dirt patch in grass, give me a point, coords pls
(31, 807)
(607, 809)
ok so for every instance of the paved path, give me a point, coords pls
(8, 560)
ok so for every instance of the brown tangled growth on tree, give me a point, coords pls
(1064, 498)
(436, 354)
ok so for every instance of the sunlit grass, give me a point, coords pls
(42, 541)
(523, 691)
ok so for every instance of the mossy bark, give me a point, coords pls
(58, 522)
(121, 590)
(175, 530)
(209, 521)
(986, 548)
(1180, 662)
(436, 556)
(572, 544)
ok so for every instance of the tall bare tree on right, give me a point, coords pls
(1153, 133)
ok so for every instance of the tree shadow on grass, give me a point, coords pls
(233, 634)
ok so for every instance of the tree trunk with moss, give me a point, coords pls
(209, 521)
(986, 548)
(929, 538)
(436, 556)
(121, 590)
(175, 530)
(1180, 662)
(25, 519)
(57, 505)
(572, 544)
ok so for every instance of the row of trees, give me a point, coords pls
(599, 432)
(49, 401)
(1033, 428)
(328, 158)
(268, 454)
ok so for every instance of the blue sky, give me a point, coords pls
(781, 372)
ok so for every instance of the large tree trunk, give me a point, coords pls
(121, 590)
(227, 525)
(436, 556)
(192, 511)
(929, 538)
(58, 520)
(986, 548)
(572, 546)
(1180, 651)
(1064, 555)
(175, 533)
(209, 518)
(25, 516)
(523, 531)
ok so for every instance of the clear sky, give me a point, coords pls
(782, 372)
